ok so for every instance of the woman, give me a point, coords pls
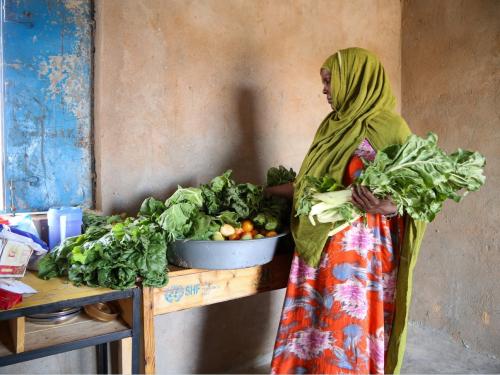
(346, 305)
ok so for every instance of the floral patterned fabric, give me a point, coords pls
(337, 318)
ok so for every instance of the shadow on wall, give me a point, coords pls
(132, 207)
(241, 154)
(245, 158)
(234, 334)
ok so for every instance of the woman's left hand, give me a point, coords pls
(364, 199)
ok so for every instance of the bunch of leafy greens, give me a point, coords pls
(111, 257)
(417, 175)
(92, 219)
(114, 252)
(197, 213)
(224, 194)
(280, 175)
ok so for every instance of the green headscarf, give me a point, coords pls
(363, 107)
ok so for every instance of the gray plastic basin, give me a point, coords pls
(223, 255)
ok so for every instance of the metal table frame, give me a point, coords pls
(99, 341)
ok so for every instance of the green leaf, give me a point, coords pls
(152, 208)
(280, 175)
(186, 195)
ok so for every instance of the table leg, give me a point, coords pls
(102, 358)
(148, 332)
(136, 331)
(125, 356)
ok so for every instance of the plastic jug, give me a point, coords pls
(63, 222)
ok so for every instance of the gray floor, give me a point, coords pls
(429, 351)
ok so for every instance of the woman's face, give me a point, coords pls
(326, 79)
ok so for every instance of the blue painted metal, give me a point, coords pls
(47, 72)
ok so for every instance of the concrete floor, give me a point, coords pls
(430, 351)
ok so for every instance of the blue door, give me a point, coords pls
(47, 103)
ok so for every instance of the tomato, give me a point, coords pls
(254, 232)
(247, 225)
(271, 233)
(234, 237)
(239, 231)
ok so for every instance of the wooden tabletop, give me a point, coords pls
(54, 290)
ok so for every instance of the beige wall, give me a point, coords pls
(451, 81)
(186, 89)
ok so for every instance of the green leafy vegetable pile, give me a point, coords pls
(92, 219)
(115, 252)
(112, 256)
(280, 175)
(417, 175)
(198, 213)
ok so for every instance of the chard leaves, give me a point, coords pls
(417, 175)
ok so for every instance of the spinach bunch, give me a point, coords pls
(111, 257)
(92, 219)
(280, 175)
(224, 194)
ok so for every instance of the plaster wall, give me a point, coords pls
(450, 84)
(186, 89)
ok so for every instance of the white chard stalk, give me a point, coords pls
(334, 207)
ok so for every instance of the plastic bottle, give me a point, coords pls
(63, 222)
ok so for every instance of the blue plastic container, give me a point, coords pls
(63, 222)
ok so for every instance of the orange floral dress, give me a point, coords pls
(337, 318)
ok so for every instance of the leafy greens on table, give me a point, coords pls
(115, 252)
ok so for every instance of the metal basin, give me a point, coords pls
(223, 255)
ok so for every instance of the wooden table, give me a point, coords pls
(21, 340)
(188, 288)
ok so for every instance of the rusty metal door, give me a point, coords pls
(47, 103)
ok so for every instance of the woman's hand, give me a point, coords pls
(284, 190)
(364, 199)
